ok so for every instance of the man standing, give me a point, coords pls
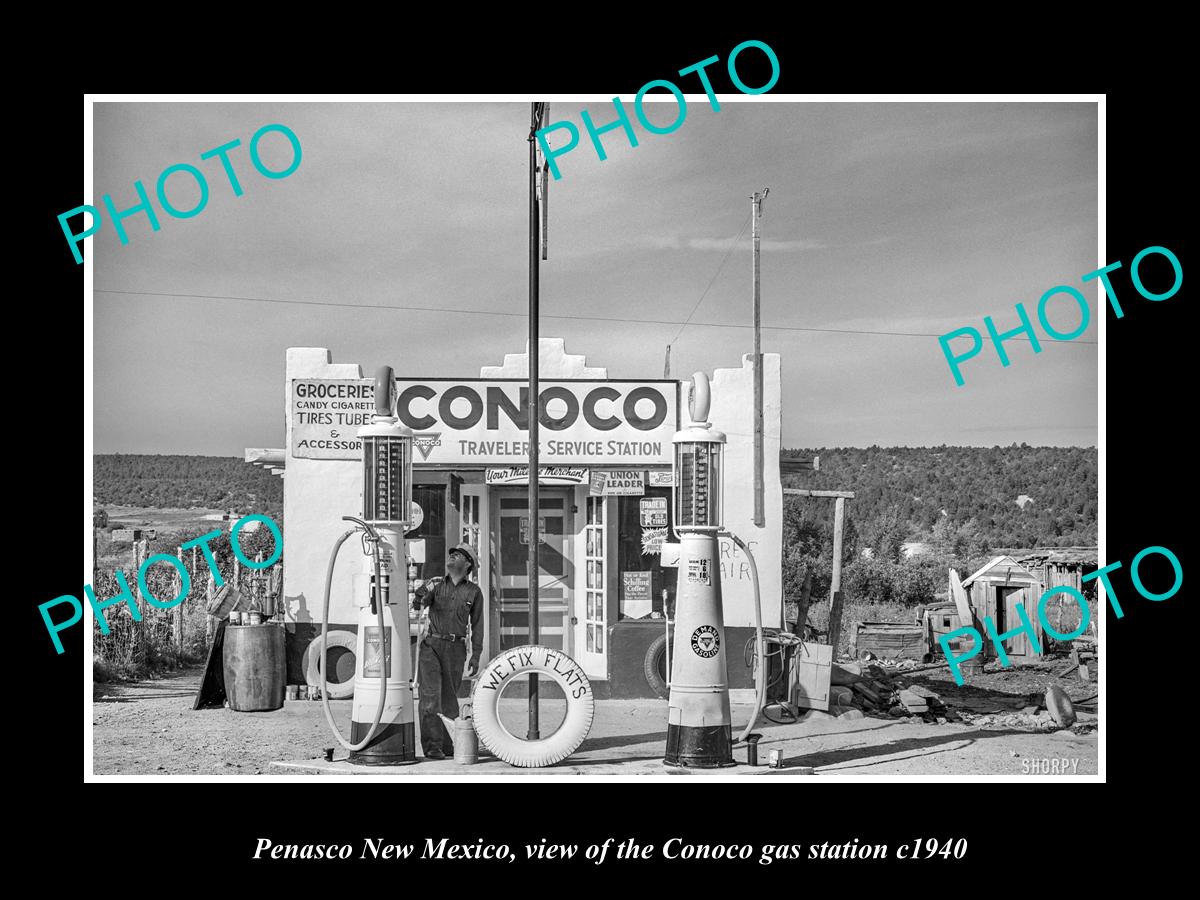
(454, 603)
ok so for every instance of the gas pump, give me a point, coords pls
(382, 731)
(699, 728)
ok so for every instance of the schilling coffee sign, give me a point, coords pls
(486, 421)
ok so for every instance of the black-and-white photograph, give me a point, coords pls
(659, 437)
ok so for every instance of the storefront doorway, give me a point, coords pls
(510, 618)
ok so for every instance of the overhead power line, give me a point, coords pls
(521, 315)
(711, 281)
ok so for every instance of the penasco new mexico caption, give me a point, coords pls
(126, 595)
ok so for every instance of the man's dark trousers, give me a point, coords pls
(440, 669)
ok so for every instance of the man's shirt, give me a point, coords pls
(452, 607)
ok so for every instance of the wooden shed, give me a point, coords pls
(1062, 565)
(1067, 566)
(994, 591)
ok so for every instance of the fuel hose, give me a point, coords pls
(337, 733)
(761, 676)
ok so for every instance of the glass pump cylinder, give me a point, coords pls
(387, 475)
(698, 479)
(698, 485)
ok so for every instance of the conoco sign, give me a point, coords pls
(486, 421)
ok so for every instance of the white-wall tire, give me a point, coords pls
(548, 662)
(312, 663)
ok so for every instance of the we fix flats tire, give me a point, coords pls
(547, 663)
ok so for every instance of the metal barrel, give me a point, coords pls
(253, 663)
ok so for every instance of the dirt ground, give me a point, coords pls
(149, 728)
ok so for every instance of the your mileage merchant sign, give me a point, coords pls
(486, 421)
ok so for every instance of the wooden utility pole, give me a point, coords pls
(667, 363)
(759, 513)
(835, 586)
(536, 114)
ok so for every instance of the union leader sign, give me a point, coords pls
(484, 422)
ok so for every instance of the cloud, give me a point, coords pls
(765, 245)
(674, 242)
(661, 242)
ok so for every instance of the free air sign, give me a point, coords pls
(485, 421)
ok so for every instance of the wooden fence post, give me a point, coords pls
(835, 588)
(803, 604)
(209, 588)
(260, 594)
(179, 608)
(835, 621)
(140, 642)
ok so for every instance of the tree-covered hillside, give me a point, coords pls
(962, 503)
(186, 481)
(1016, 496)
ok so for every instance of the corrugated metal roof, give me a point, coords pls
(1063, 556)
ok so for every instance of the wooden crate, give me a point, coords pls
(808, 685)
(889, 640)
(938, 621)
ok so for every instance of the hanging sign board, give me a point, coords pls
(636, 593)
(628, 483)
(525, 529)
(652, 540)
(546, 475)
(653, 512)
(596, 486)
(625, 484)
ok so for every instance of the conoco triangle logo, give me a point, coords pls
(426, 442)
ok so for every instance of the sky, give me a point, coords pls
(894, 217)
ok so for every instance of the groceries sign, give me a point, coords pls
(486, 421)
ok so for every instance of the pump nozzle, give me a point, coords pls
(385, 386)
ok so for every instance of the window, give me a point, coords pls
(472, 528)
(432, 500)
(639, 536)
(594, 583)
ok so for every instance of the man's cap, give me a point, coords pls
(466, 550)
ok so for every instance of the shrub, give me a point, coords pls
(878, 581)
(870, 580)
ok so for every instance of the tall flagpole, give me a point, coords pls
(534, 532)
